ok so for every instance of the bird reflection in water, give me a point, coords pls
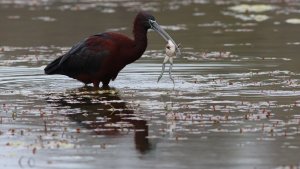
(105, 113)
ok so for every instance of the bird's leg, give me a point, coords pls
(105, 84)
(170, 69)
(163, 68)
(96, 84)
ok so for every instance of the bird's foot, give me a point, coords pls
(105, 87)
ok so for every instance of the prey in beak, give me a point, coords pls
(170, 54)
(155, 26)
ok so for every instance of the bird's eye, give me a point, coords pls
(151, 21)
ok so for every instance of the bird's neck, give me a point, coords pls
(140, 41)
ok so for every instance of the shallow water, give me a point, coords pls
(235, 103)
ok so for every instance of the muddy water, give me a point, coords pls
(235, 103)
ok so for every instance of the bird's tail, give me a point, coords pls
(53, 67)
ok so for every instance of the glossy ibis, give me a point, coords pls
(100, 57)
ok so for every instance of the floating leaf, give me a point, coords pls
(293, 21)
(243, 8)
(245, 17)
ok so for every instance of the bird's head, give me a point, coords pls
(149, 22)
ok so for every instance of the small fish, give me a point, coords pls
(170, 54)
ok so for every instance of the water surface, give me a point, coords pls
(235, 103)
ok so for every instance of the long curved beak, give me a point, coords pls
(164, 34)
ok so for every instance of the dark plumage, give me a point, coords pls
(100, 57)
